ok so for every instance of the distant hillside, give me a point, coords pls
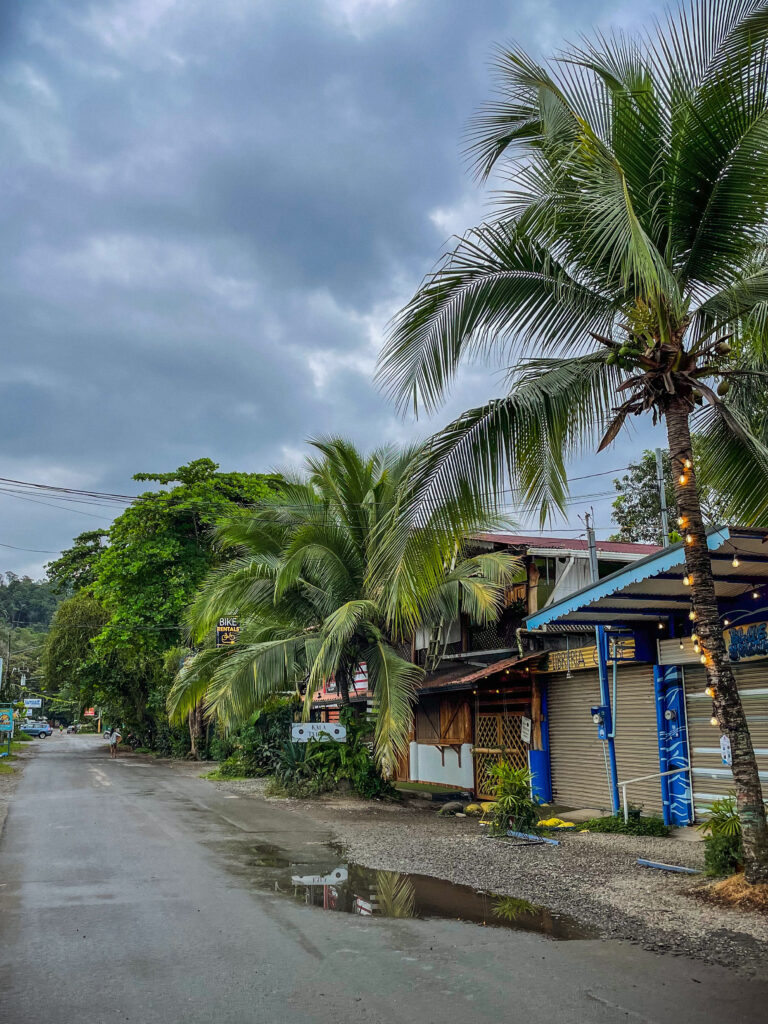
(26, 602)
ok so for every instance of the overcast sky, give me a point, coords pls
(211, 210)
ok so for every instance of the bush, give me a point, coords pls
(723, 855)
(306, 769)
(615, 823)
(723, 850)
(514, 807)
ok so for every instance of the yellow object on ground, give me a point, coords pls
(557, 823)
(488, 806)
(473, 809)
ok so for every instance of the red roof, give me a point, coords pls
(568, 543)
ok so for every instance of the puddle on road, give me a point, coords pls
(326, 880)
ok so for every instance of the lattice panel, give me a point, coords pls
(498, 737)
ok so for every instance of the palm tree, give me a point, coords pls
(625, 273)
(336, 571)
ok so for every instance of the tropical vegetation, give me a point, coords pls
(117, 638)
(336, 573)
(624, 274)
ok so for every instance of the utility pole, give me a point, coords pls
(662, 499)
(592, 545)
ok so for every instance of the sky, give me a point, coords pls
(211, 211)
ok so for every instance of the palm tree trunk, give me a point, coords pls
(727, 704)
(195, 720)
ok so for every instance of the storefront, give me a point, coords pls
(647, 714)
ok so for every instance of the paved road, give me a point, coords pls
(127, 895)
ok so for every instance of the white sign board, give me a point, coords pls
(525, 729)
(303, 732)
(725, 750)
(336, 877)
(33, 702)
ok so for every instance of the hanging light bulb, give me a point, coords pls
(696, 649)
(735, 563)
(681, 520)
(687, 463)
(689, 538)
(660, 625)
(687, 580)
(681, 645)
(726, 622)
(692, 615)
(683, 479)
(710, 691)
(713, 721)
(755, 594)
(703, 659)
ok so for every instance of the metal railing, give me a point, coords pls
(643, 778)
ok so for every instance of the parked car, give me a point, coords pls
(71, 728)
(39, 729)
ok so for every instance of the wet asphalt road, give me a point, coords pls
(126, 895)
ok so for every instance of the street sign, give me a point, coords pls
(33, 702)
(90, 712)
(302, 732)
(6, 718)
(227, 629)
(525, 729)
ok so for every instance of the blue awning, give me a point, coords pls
(653, 588)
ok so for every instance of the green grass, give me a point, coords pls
(5, 768)
(218, 777)
(634, 827)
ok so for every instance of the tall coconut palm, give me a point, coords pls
(337, 571)
(625, 273)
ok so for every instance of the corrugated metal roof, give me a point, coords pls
(569, 544)
(461, 678)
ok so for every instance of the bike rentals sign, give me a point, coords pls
(227, 629)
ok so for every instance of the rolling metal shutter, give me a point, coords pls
(637, 741)
(579, 776)
(711, 778)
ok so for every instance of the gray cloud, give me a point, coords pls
(210, 212)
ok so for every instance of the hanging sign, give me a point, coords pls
(744, 642)
(89, 713)
(6, 718)
(227, 629)
(33, 702)
(725, 751)
(525, 729)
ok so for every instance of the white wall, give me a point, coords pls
(426, 765)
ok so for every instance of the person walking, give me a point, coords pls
(114, 739)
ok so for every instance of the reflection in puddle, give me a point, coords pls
(319, 881)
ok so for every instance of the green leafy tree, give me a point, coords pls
(75, 568)
(338, 571)
(137, 587)
(637, 509)
(625, 274)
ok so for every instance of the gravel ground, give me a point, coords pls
(592, 878)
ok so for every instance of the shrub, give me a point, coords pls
(723, 850)
(615, 823)
(723, 855)
(514, 807)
